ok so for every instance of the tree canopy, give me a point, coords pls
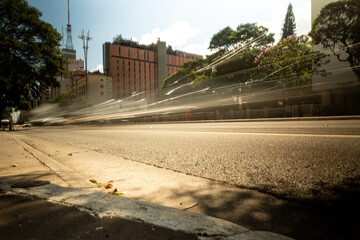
(289, 27)
(288, 63)
(222, 39)
(337, 28)
(251, 32)
(227, 38)
(223, 67)
(30, 57)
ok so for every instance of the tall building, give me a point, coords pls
(137, 68)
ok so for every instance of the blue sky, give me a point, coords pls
(187, 25)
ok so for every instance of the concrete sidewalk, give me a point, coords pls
(21, 162)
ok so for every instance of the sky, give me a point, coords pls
(186, 25)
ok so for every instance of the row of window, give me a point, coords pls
(107, 80)
(141, 88)
(146, 53)
(107, 93)
(102, 86)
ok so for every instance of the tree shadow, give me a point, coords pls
(24, 217)
(332, 219)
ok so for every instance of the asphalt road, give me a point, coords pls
(303, 160)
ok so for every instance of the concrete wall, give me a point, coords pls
(161, 62)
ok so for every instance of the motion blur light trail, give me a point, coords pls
(267, 96)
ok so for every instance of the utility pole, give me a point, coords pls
(85, 40)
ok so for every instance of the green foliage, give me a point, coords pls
(223, 39)
(250, 32)
(287, 64)
(68, 100)
(185, 74)
(227, 68)
(239, 68)
(227, 38)
(289, 27)
(5, 113)
(338, 27)
(64, 100)
(30, 56)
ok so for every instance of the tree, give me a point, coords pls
(287, 68)
(289, 63)
(289, 23)
(250, 32)
(222, 39)
(30, 57)
(337, 28)
(227, 38)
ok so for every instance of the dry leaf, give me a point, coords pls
(93, 180)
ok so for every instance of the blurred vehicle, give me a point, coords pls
(4, 124)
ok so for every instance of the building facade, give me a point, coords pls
(139, 68)
(99, 86)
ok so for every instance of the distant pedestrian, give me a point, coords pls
(11, 127)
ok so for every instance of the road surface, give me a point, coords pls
(302, 160)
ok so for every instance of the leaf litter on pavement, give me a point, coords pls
(107, 186)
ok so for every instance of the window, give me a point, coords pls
(101, 85)
(101, 93)
(101, 80)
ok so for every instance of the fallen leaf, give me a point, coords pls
(15, 165)
(93, 180)
(109, 185)
(70, 154)
(113, 191)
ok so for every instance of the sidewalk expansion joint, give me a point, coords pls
(40, 156)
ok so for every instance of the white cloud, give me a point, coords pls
(303, 18)
(198, 48)
(177, 35)
(134, 39)
(99, 67)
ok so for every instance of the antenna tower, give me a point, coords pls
(69, 43)
(85, 40)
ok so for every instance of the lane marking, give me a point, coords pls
(241, 133)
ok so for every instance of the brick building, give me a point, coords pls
(140, 68)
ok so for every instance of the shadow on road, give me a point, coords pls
(336, 219)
